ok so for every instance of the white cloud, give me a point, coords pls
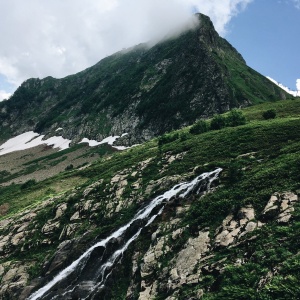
(298, 84)
(4, 95)
(292, 92)
(58, 38)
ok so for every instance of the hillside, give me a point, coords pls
(230, 233)
(181, 79)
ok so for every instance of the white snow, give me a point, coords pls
(32, 139)
(294, 93)
(58, 129)
(109, 140)
(92, 143)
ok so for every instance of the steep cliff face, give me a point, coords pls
(141, 91)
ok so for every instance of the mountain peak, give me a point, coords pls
(143, 92)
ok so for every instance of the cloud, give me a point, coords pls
(297, 3)
(58, 38)
(4, 95)
(298, 84)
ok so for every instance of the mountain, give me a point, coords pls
(181, 79)
(208, 211)
(212, 215)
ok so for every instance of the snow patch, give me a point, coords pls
(109, 140)
(291, 92)
(32, 139)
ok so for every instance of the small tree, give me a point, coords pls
(199, 127)
(269, 114)
(235, 118)
(218, 122)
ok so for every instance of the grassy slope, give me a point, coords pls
(276, 167)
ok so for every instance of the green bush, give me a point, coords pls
(167, 138)
(199, 127)
(269, 114)
(235, 118)
(69, 167)
(218, 122)
(28, 184)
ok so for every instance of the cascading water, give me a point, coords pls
(87, 275)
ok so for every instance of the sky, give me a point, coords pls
(57, 38)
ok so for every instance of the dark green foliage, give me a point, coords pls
(235, 118)
(28, 184)
(167, 138)
(232, 119)
(69, 167)
(200, 126)
(218, 122)
(235, 172)
(269, 114)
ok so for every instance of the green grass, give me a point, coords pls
(273, 167)
(18, 199)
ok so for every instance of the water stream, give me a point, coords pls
(87, 275)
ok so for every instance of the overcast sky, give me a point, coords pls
(62, 37)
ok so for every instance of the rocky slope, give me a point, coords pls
(238, 241)
(184, 78)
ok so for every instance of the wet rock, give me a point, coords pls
(162, 183)
(60, 257)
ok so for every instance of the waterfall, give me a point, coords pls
(81, 269)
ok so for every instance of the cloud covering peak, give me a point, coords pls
(58, 38)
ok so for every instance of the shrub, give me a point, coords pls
(217, 122)
(69, 167)
(183, 136)
(269, 114)
(28, 184)
(235, 118)
(167, 138)
(199, 127)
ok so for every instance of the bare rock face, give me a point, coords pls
(280, 207)
(234, 227)
(183, 271)
(14, 278)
